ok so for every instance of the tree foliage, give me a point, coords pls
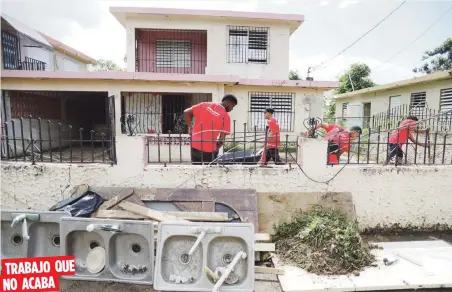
(106, 65)
(359, 74)
(439, 59)
(294, 75)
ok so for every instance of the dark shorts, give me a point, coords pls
(273, 154)
(393, 150)
(199, 157)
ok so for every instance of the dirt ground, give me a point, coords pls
(264, 283)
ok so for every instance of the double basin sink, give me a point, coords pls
(126, 247)
(186, 250)
(30, 233)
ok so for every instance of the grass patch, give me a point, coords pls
(322, 241)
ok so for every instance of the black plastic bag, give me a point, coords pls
(81, 206)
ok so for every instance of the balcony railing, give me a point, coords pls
(31, 64)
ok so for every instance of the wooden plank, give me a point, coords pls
(136, 200)
(265, 270)
(262, 237)
(144, 211)
(118, 214)
(264, 247)
(191, 216)
(201, 216)
(124, 194)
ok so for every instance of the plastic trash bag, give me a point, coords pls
(82, 206)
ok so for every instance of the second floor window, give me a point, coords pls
(248, 44)
(173, 53)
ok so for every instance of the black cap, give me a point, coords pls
(269, 110)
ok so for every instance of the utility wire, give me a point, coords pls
(360, 38)
(421, 35)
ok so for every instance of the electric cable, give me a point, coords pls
(360, 38)
(421, 35)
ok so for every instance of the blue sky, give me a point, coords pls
(330, 26)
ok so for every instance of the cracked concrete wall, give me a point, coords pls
(415, 196)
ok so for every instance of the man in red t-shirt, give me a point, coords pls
(400, 136)
(271, 149)
(212, 124)
(339, 140)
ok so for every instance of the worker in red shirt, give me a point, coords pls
(271, 149)
(400, 136)
(212, 124)
(339, 140)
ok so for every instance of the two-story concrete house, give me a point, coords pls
(176, 58)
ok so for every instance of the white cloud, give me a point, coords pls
(347, 3)
(324, 3)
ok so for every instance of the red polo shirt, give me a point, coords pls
(273, 135)
(210, 120)
(400, 136)
(339, 136)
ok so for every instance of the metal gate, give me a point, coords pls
(112, 129)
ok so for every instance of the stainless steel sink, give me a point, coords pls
(185, 249)
(47, 237)
(30, 233)
(128, 245)
(177, 265)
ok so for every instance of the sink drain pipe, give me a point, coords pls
(241, 255)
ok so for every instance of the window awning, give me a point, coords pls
(26, 30)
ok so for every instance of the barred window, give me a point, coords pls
(173, 53)
(418, 103)
(344, 111)
(248, 44)
(281, 102)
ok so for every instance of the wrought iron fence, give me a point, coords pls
(152, 113)
(376, 147)
(240, 147)
(171, 51)
(33, 65)
(37, 140)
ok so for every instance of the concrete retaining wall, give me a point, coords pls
(416, 196)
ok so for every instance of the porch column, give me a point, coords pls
(118, 113)
(218, 93)
(130, 40)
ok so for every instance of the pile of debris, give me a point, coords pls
(324, 242)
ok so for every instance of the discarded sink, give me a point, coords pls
(125, 249)
(177, 263)
(186, 250)
(30, 233)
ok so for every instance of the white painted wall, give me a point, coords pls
(381, 195)
(32, 49)
(66, 63)
(217, 38)
(380, 100)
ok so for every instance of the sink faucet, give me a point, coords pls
(104, 227)
(238, 257)
(22, 218)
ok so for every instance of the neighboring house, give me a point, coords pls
(24, 48)
(177, 58)
(428, 97)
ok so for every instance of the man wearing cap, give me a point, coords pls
(271, 147)
(212, 124)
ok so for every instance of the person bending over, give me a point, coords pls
(212, 123)
(400, 136)
(339, 140)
